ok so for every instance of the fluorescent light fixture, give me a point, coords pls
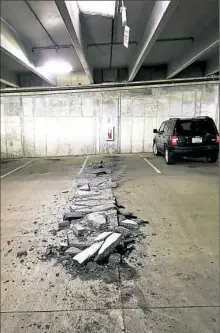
(55, 67)
(103, 8)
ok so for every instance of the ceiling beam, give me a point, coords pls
(13, 46)
(206, 41)
(160, 15)
(70, 14)
(9, 78)
(212, 65)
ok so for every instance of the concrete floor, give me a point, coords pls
(177, 287)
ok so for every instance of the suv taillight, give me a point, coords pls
(174, 140)
(217, 138)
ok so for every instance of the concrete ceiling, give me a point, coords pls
(163, 34)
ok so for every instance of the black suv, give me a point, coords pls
(191, 137)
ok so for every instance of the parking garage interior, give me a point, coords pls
(84, 85)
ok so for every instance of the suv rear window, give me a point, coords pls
(194, 127)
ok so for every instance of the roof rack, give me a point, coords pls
(202, 117)
(174, 118)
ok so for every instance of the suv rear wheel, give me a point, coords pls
(212, 158)
(169, 158)
(155, 150)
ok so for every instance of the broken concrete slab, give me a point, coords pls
(85, 255)
(81, 243)
(108, 246)
(63, 244)
(126, 213)
(69, 216)
(84, 211)
(85, 187)
(80, 193)
(125, 232)
(97, 221)
(64, 224)
(92, 203)
(129, 224)
(72, 251)
(78, 230)
(112, 218)
(103, 236)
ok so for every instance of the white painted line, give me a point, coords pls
(83, 166)
(6, 174)
(152, 166)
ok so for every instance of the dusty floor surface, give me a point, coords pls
(177, 286)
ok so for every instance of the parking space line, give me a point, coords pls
(152, 166)
(23, 165)
(83, 166)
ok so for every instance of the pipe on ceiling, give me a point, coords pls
(146, 84)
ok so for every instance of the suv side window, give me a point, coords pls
(166, 128)
(162, 127)
(169, 127)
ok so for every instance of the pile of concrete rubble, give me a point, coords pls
(95, 227)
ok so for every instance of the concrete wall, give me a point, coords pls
(75, 123)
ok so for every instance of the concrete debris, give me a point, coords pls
(64, 224)
(21, 253)
(72, 215)
(53, 232)
(102, 236)
(85, 187)
(129, 224)
(121, 218)
(64, 244)
(97, 221)
(140, 221)
(72, 251)
(78, 229)
(81, 243)
(125, 232)
(97, 233)
(108, 246)
(126, 213)
(114, 259)
(85, 255)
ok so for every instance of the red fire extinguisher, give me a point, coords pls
(110, 134)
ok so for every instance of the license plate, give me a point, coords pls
(197, 140)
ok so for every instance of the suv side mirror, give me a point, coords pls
(155, 130)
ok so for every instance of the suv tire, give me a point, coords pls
(212, 158)
(155, 150)
(169, 158)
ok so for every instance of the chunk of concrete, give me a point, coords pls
(126, 213)
(108, 246)
(103, 236)
(129, 224)
(114, 259)
(64, 244)
(97, 221)
(125, 232)
(78, 230)
(72, 251)
(73, 215)
(64, 224)
(85, 255)
(73, 241)
(85, 187)
(112, 218)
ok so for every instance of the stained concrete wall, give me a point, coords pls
(75, 123)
